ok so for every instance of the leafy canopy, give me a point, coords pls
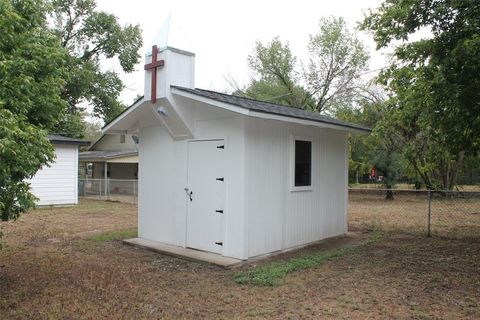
(328, 79)
(32, 69)
(91, 36)
(337, 59)
(278, 80)
(434, 109)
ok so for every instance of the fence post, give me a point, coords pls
(105, 176)
(429, 232)
(134, 192)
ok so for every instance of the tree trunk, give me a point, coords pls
(389, 195)
(456, 168)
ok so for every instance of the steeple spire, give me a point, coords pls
(161, 39)
(174, 34)
(167, 62)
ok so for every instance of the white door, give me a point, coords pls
(205, 195)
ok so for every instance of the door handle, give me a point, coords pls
(190, 195)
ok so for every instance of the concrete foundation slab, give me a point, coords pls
(184, 253)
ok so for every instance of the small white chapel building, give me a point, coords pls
(231, 175)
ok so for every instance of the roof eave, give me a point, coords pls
(124, 113)
(73, 143)
(309, 122)
(106, 158)
(268, 115)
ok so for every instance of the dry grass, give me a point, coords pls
(450, 217)
(65, 263)
(406, 186)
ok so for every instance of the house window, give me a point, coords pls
(302, 164)
(122, 138)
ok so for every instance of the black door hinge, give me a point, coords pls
(219, 243)
(221, 147)
(219, 211)
(219, 179)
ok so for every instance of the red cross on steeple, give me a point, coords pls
(153, 66)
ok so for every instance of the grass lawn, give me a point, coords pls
(68, 263)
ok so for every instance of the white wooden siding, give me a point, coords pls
(163, 177)
(111, 142)
(262, 214)
(279, 218)
(57, 184)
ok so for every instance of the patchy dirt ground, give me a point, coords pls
(61, 263)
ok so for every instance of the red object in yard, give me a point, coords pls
(373, 172)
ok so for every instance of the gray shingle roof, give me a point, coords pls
(271, 108)
(105, 155)
(59, 139)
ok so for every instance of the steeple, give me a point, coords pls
(166, 64)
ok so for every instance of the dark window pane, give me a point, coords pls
(303, 163)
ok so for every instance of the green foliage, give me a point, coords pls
(71, 124)
(434, 114)
(23, 150)
(331, 75)
(32, 69)
(337, 59)
(31, 64)
(93, 131)
(272, 273)
(88, 36)
(278, 79)
(376, 149)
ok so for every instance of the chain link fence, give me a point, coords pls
(109, 189)
(452, 214)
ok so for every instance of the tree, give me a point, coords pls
(330, 78)
(32, 69)
(433, 82)
(375, 149)
(277, 79)
(93, 131)
(89, 36)
(337, 59)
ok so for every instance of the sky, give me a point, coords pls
(223, 33)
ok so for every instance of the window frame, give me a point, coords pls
(293, 187)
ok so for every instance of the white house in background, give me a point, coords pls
(111, 156)
(57, 184)
(231, 175)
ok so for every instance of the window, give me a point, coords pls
(303, 164)
(122, 138)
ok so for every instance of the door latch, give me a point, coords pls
(189, 194)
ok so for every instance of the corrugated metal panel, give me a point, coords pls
(277, 217)
(57, 184)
